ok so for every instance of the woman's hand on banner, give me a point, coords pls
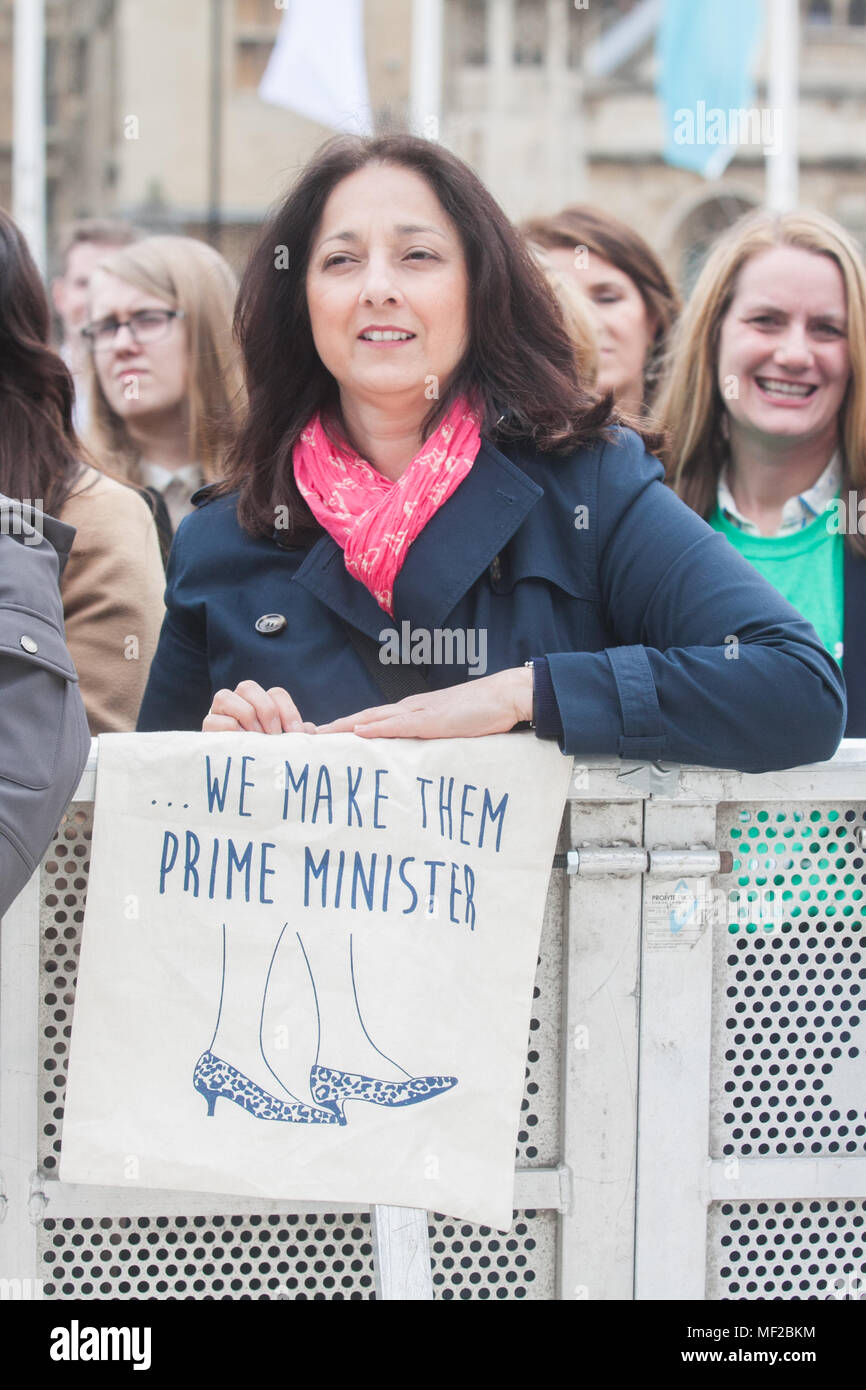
(257, 711)
(487, 705)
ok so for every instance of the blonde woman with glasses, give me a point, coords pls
(167, 387)
(765, 408)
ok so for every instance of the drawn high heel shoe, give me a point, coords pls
(331, 1086)
(215, 1078)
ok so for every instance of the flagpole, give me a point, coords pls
(215, 131)
(28, 125)
(425, 96)
(783, 41)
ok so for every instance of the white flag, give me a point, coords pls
(318, 66)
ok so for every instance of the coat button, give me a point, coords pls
(29, 645)
(271, 623)
(495, 570)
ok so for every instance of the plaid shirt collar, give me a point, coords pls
(797, 512)
(154, 475)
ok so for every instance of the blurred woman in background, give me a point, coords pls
(576, 315)
(167, 382)
(765, 410)
(85, 244)
(112, 584)
(632, 300)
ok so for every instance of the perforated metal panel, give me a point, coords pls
(789, 1071)
(538, 1139)
(296, 1257)
(220, 1256)
(473, 1262)
(291, 1256)
(64, 889)
(787, 1250)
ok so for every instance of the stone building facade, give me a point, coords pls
(153, 113)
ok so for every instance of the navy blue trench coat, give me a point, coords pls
(662, 642)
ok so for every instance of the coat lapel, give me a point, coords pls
(324, 575)
(455, 547)
(464, 536)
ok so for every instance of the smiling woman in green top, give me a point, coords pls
(765, 412)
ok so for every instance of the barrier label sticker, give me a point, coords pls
(675, 913)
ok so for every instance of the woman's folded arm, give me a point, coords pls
(712, 666)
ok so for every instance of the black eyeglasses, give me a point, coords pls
(146, 326)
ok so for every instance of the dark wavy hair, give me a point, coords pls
(519, 363)
(40, 456)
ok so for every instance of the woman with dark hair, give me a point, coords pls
(632, 299)
(112, 584)
(399, 338)
(421, 457)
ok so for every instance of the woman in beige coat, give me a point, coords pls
(112, 585)
(112, 598)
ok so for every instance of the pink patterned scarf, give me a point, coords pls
(374, 519)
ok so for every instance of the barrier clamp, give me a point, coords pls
(564, 1173)
(653, 779)
(622, 860)
(38, 1199)
(4, 1200)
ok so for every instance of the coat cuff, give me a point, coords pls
(545, 710)
(642, 733)
(607, 703)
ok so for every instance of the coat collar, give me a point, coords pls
(455, 547)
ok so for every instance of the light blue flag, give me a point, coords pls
(706, 52)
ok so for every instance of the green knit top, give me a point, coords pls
(806, 567)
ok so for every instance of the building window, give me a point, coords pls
(577, 35)
(530, 32)
(255, 28)
(469, 19)
(251, 59)
(700, 229)
(612, 11)
(261, 14)
(78, 76)
(51, 202)
(819, 12)
(52, 102)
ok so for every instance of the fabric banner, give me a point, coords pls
(318, 66)
(307, 966)
(705, 61)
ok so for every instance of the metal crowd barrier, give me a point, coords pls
(694, 1118)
